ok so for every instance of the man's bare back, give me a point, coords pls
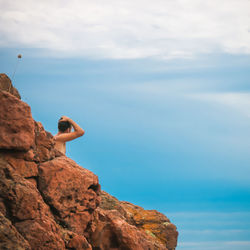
(64, 134)
(60, 146)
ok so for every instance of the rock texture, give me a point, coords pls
(151, 223)
(49, 202)
(6, 85)
(16, 124)
(10, 238)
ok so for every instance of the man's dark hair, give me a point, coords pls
(63, 125)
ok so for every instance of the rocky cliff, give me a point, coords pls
(47, 201)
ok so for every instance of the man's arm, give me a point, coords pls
(78, 131)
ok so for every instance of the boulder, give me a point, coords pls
(16, 123)
(151, 222)
(6, 85)
(71, 191)
(10, 238)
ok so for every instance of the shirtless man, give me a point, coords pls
(64, 133)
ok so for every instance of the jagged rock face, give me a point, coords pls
(46, 198)
(10, 238)
(49, 202)
(6, 85)
(16, 124)
(112, 231)
(72, 200)
(151, 222)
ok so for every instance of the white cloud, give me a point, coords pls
(239, 102)
(127, 29)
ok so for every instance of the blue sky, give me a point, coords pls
(163, 93)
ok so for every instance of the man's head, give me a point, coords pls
(64, 126)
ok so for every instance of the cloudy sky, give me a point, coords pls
(162, 89)
(127, 29)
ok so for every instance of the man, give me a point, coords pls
(64, 133)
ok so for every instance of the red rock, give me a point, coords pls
(44, 149)
(24, 168)
(152, 222)
(78, 242)
(6, 85)
(42, 234)
(71, 190)
(23, 204)
(16, 123)
(10, 238)
(47, 201)
(111, 231)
